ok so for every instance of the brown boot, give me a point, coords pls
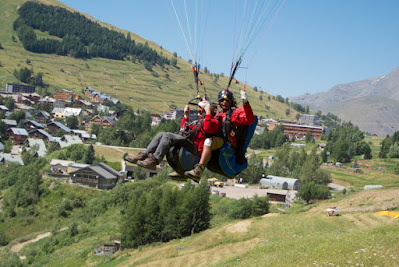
(149, 163)
(134, 159)
(195, 173)
(177, 177)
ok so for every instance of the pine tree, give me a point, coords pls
(89, 155)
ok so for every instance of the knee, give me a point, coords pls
(208, 142)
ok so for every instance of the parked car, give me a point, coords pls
(222, 194)
(215, 192)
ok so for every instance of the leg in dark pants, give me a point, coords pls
(161, 144)
(167, 141)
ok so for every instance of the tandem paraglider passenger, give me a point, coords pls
(191, 136)
(232, 122)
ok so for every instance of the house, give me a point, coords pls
(103, 121)
(81, 103)
(281, 182)
(58, 113)
(100, 176)
(47, 100)
(3, 108)
(68, 140)
(76, 166)
(10, 123)
(33, 97)
(68, 112)
(20, 88)
(7, 157)
(66, 95)
(173, 114)
(83, 135)
(59, 166)
(42, 117)
(55, 126)
(41, 134)
(36, 143)
(31, 125)
(155, 119)
(17, 135)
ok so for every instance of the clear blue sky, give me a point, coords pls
(311, 46)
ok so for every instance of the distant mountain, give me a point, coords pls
(372, 104)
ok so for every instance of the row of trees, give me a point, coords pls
(165, 213)
(81, 37)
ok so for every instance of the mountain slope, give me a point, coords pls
(372, 104)
(122, 79)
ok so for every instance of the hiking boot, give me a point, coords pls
(139, 156)
(177, 177)
(149, 163)
(195, 173)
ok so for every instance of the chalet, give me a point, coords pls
(81, 103)
(42, 117)
(55, 126)
(20, 88)
(58, 113)
(88, 90)
(66, 95)
(47, 101)
(68, 140)
(173, 114)
(3, 108)
(155, 119)
(38, 144)
(100, 176)
(10, 123)
(17, 135)
(58, 165)
(83, 135)
(41, 134)
(7, 157)
(103, 121)
(76, 166)
(32, 125)
(33, 97)
(68, 112)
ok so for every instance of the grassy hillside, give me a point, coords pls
(124, 80)
(303, 235)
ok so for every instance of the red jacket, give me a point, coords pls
(209, 126)
(241, 116)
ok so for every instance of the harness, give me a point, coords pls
(190, 131)
(227, 129)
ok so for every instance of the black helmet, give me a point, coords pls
(225, 94)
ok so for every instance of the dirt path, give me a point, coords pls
(17, 247)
